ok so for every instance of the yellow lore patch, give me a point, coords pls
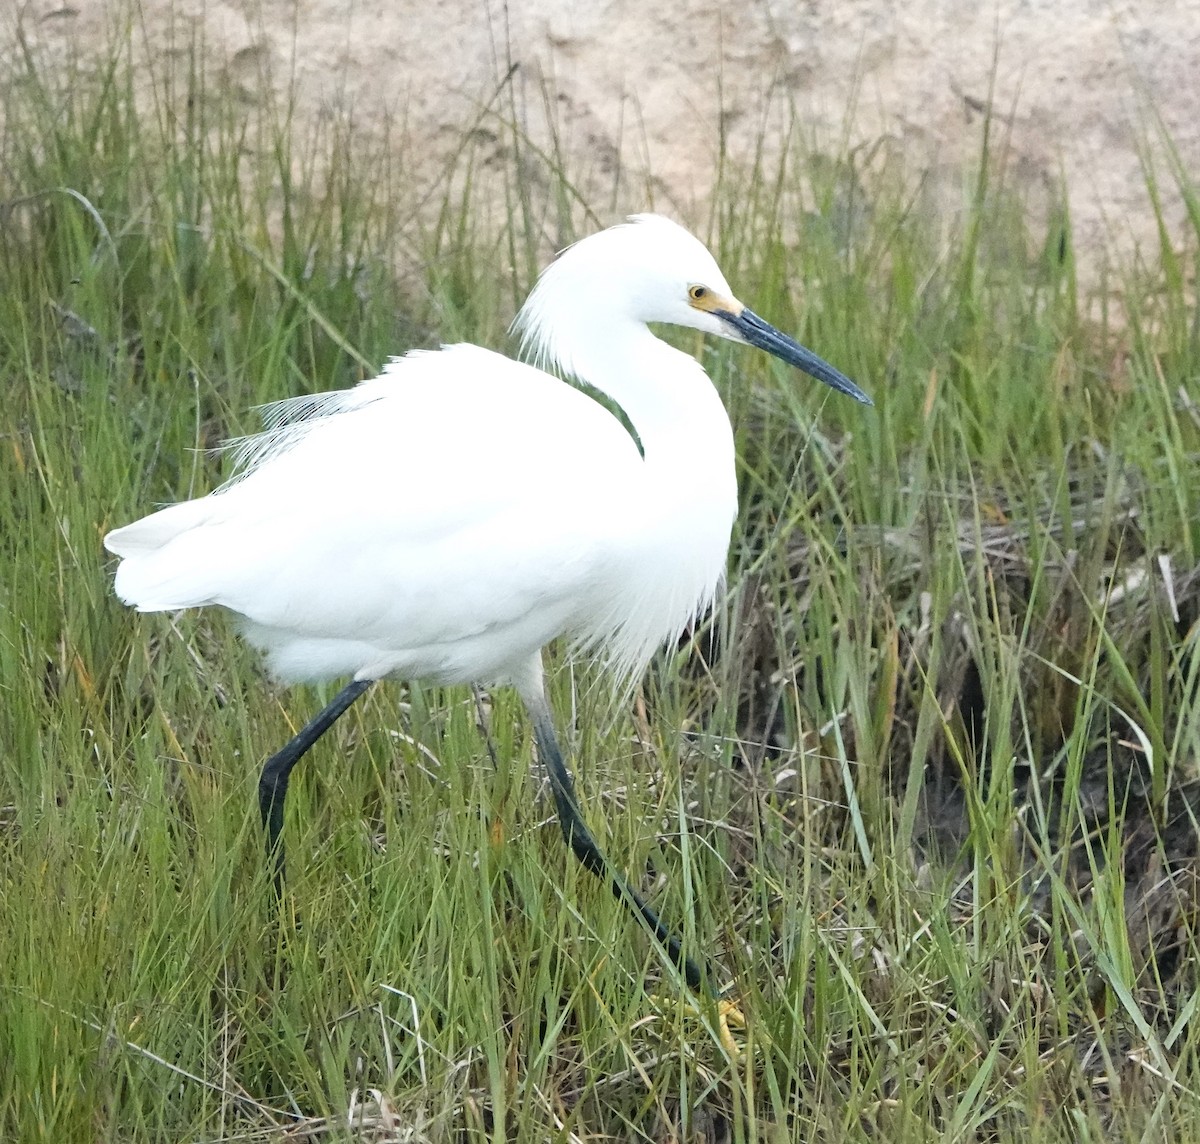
(700, 297)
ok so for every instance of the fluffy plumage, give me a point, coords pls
(448, 518)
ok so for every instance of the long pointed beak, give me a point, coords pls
(750, 328)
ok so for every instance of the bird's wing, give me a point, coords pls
(458, 494)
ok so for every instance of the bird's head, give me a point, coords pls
(650, 269)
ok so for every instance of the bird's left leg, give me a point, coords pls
(277, 770)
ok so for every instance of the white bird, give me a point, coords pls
(447, 519)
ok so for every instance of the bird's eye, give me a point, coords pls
(697, 293)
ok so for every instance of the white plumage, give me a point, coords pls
(448, 518)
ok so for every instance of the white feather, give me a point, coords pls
(450, 517)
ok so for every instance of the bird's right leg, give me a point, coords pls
(585, 847)
(277, 770)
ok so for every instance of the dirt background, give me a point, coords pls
(650, 90)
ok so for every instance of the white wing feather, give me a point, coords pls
(346, 536)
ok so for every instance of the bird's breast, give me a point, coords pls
(661, 562)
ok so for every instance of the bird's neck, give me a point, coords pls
(669, 399)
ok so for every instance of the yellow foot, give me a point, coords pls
(730, 1017)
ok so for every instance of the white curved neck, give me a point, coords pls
(669, 399)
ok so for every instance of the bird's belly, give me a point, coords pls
(488, 656)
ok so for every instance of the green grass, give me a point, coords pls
(928, 802)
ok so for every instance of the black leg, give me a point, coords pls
(273, 782)
(587, 850)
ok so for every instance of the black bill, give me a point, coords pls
(754, 331)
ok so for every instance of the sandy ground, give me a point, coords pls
(649, 89)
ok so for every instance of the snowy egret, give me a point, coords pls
(450, 517)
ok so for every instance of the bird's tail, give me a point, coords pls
(163, 559)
